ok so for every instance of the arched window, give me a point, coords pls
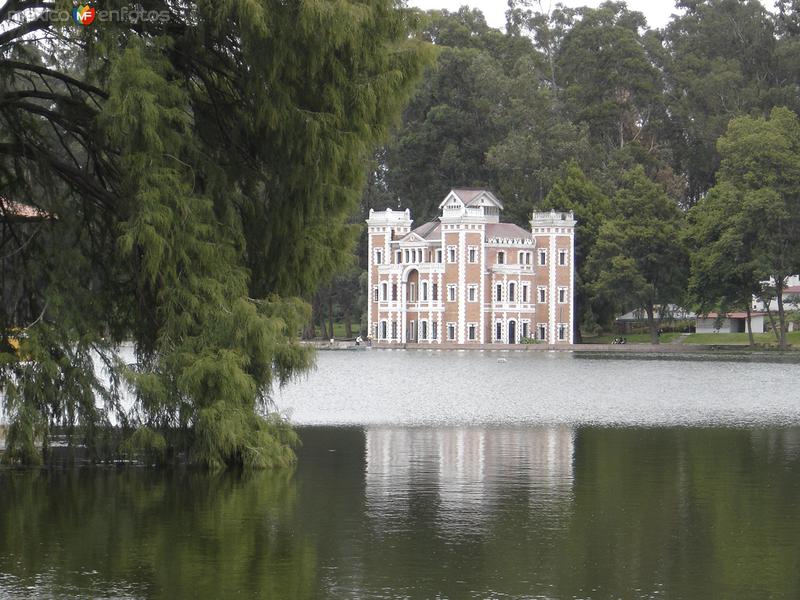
(501, 258)
(512, 289)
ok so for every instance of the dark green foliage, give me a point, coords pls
(748, 227)
(198, 176)
(638, 260)
(574, 192)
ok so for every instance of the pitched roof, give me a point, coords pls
(733, 315)
(427, 231)
(507, 231)
(16, 211)
(792, 289)
(471, 196)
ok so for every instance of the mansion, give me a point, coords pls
(466, 278)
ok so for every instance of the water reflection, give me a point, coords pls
(419, 513)
(468, 469)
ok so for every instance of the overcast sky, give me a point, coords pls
(657, 11)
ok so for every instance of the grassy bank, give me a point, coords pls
(739, 339)
(763, 340)
(631, 338)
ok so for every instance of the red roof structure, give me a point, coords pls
(17, 211)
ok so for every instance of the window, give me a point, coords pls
(562, 257)
(451, 254)
(384, 292)
(473, 254)
(542, 294)
(562, 332)
(394, 292)
(394, 330)
(451, 331)
(512, 290)
(407, 257)
(525, 326)
(399, 256)
(383, 330)
(424, 288)
(472, 330)
(434, 330)
(451, 293)
(501, 258)
(542, 257)
(378, 257)
(498, 292)
(562, 295)
(424, 328)
(498, 331)
(472, 293)
(524, 258)
(435, 292)
(375, 294)
(439, 255)
(542, 331)
(412, 292)
(525, 288)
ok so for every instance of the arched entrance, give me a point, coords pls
(512, 332)
(410, 299)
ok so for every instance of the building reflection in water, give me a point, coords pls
(459, 475)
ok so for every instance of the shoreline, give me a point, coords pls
(667, 348)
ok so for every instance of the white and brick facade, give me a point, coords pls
(468, 279)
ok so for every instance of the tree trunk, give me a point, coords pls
(330, 313)
(772, 323)
(348, 324)
(651, 323)
(576, 325)
(309, 330)
(781, 318)
(750, 327)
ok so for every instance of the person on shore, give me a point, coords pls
(359, 340)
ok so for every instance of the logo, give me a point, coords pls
(83, 15)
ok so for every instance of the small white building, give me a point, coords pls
(791, 295)
(733, 322)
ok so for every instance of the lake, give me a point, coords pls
(459, 475)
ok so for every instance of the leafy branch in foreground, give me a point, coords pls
(197, 174)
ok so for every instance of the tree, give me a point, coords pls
(723, 59)
(200, 170)
(758, 181)
(638, 260)
(725, 273)
(574, 192)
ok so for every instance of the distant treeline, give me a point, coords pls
(592, 110)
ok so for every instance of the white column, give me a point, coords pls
(439, 312)
(482, 289)
(369, 285)
(403, 310)
(462, 277)
(571, 263)
(552, 287)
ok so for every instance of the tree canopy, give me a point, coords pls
(198, 172)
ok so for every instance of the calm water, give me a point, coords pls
(454, 476)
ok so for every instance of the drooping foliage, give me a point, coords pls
(196, 173)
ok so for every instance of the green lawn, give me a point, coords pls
(338, 330)
(631, 338)
(739, 339)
